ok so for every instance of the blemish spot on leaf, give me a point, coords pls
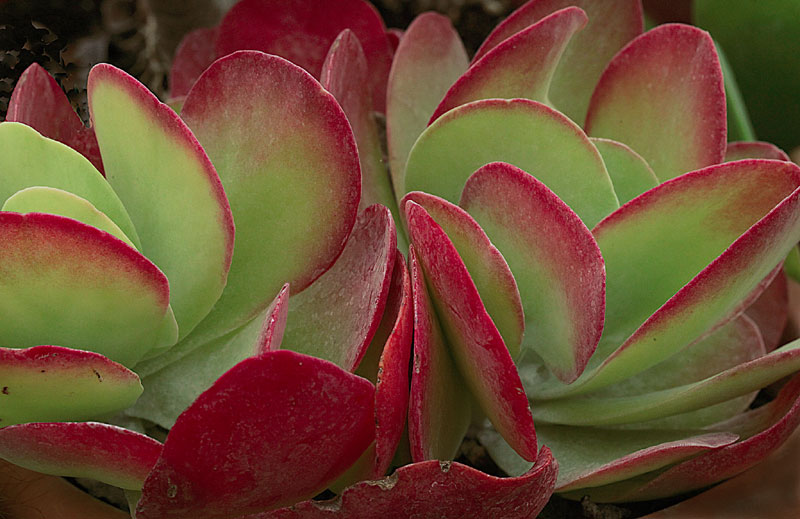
(445, 466)
(98, 375)
(5, 390)
(172, 491)
(331, 505)
(386, 483)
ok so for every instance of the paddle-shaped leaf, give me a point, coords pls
(486, 266)
(663, 96)
(444, 490)
(345, 74)
(439, 408)
(302, 32)
(428, 60)
(169, 187)
(287, 159)
(721, 230)
(392, 376)
(107, 453)
(734, 382)
(50, 383)
(554, 258)
(521, 132)
(476, 346)
(285, 424)
(28, 160)
(521, 66)
(65, 283)
(336, 317)
(39, 102)
(587, 53)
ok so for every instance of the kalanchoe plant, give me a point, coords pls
(585, 251)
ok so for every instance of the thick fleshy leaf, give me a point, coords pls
(629, 172)
(663, 96)
(734, 343)
(485, 264)
(62, 203)
(477, 347)
(444, 490)
(555, 261)
(754, 150)
(345, 75)
(65, 283)
(428, 60)
(316, 417)
(302, 32)
(169, 187)
(392, 384)
(521, 132)
(520, 67)
(51, 383)
(27, 160)
(335, 318)
(440, 404)
(731, 383)
(170, 390)
(588, 52)
(274, 324)
(39, 102)
(583, 469)
(769, 427)
(723, 228)
(288, 162)
(107, 453)
(770, 311)
(196, 52)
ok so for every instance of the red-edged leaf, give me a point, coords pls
(196, 52)
(39, 102)
(440, 405)
(336, 317)
(428, 60)
(487, 267)
(69, 284)
(663, 95)
(588, 52)
(392, 386)
(303, 30)
(731, 225)
(754, 150)
(525, 133)
(271, 335)
(394, 36)
(444, 490)
(151, 156)
(554, 258)
(107, 453)
(345, 75)
(641, 461)
(521, 66)
(770, 311)
(274, 430)
(51, 383)
(288, 162)
(474, 342)
(768, 427)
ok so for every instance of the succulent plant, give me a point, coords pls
(585, 251)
